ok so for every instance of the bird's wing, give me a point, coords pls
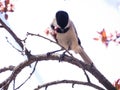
(79, 42)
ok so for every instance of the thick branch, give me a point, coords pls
(74, 61)
(100, 78)
(11, 32)
(18, 40)
(73, 82)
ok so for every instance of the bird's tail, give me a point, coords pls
(85, 57)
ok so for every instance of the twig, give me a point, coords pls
(14, 84)
(88, 79)
(17, 39)
(11, 68)
(41, 36)
(50, 41)
(28, 77)
(68, 81)
(21, 51)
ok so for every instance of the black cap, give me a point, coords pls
(62, 18)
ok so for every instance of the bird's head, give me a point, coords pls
(62, 19)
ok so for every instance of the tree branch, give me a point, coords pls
(11, 68)
(73, 82)
(44, 57)
(5, 84)
(38, 35)
(18, 40)
(29, 76)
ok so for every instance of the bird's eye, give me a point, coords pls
(52, 26)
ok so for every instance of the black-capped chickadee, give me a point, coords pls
(65, 34)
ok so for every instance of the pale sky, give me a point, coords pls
(89, 16)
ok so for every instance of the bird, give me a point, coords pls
(65, 34)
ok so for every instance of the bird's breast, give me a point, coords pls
(68, 40)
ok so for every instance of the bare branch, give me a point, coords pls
(41, 37)
(21, 51)
(18, 40)
(5, 84)
(88, 79)
(11, 32)
(90, 68)
(58, 50)
(14, 84)
(29, 76)
(70, 82)
(50, 41)
(11, 68)
(44, 57)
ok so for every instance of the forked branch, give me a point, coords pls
(31, 58)
(73, 82)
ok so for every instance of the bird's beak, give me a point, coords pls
(56, 28)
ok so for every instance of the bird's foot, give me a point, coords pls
(49, 53)
(62, 56)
